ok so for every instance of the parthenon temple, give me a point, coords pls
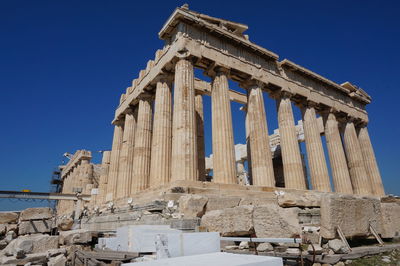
(158, 144)
(159, 135)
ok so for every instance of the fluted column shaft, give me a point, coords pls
(142, 149)
(161, 145)
(114, 161)
(224, 166)
(371, 166)
(261, 157)
(359, 178)
(248, 144)
(86, 175)
(75, 173)
(184, 139)
(125, 171)
(291, 158)
(315, 152)
(105, 166)
(201, 162)
(74, 184)
(337, 158)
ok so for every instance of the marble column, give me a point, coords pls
(243, 178)
(315, 152)
(114, 160)
(359, 179)
(74, 184)
(125, 171)
(86, 175)
(160, 169)
(291, 158)
(337, 158)
(201, 162)
(142, 149)
(248, 144)
(224, 163)
(75, 178)
(371, 166)
(105, 166)
(184, 139)
(261, 157)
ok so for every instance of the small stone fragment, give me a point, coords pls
(317, 249)
(337, 246)
(244, 245)
(264, 247)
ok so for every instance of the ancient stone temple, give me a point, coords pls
(158, 150)
(159, 138)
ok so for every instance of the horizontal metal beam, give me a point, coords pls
(262, 240)
(42, 195)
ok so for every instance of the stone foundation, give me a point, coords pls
(235, 210)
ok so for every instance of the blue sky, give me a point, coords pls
(63, 65)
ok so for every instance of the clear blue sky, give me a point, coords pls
(63, 65)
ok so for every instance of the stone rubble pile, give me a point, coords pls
(35, 236)
(27, 238)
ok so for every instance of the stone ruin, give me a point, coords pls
(157, 172)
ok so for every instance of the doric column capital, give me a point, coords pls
(183, 53)
(329, 110)
(214, 70)
(362, 124)
(351, 119)
(119, 122)
(251, 83)
(307, 104)
(165, 77)
(130, 110)
(281, 94)
(145, 96)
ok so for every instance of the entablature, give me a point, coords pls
(78, 156)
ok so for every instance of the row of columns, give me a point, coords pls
(146, 154)
(80, 177)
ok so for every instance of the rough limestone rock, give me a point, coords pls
(264, 247)
(235, 221)
(31, 244)
(353, 214)
(3, 229)
(293, 251)
(12, 227)
(10, 236)
(274, 221)
(19, 253)
(34, 259)
(244, 245)
(299, 199)
(317, 249)
(192, 205)
(219, 203)
(59, 260)
(8, 217)
(26, 245)
(43, 243)
(79, 236)
(337, 246)
(268, 198)
(34, 227)
(55, 252)
(390, 220)
(65, 223)
(3, 243)
(36, 214)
